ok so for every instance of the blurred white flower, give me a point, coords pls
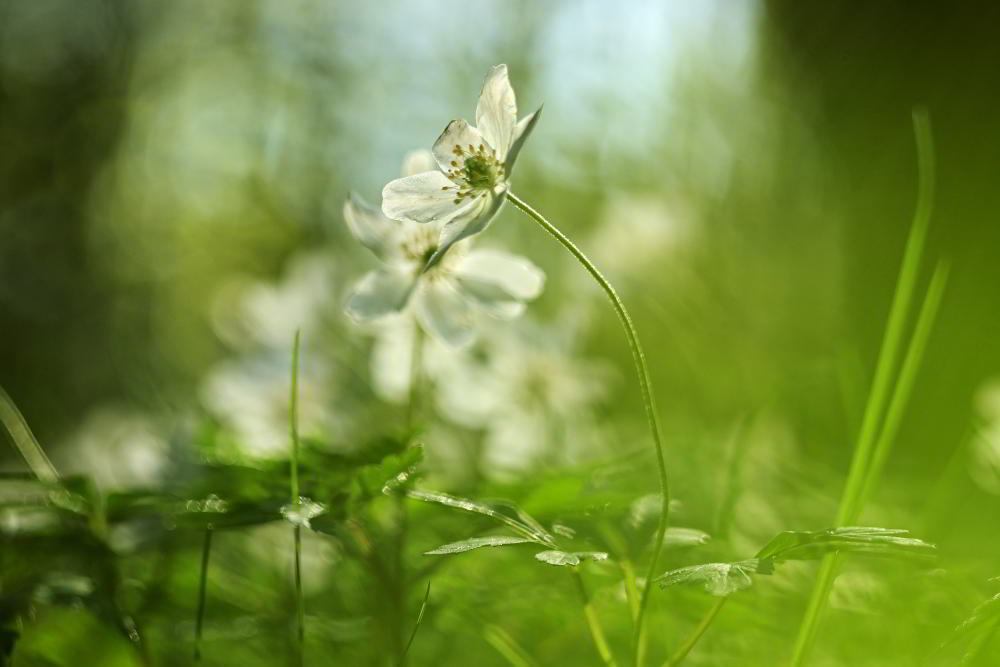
(447, 297)
(250, 397)
(636, 230)
(530, 395)
(474, 165)
(269, 313)
(118, 448)
(270, 545)
(984, 463)
(392, 362)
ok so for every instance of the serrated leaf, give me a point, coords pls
(810, 545)
(720, 579)
(564, 558)
(476, 543)
(475, 507)
(984, 615)
(301, 513)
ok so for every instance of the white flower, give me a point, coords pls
(474, 165)
(269, 313)
(447, 297)
(119, 448)
(250, 396)
(636, 233)
(984, 463)
(528, 393)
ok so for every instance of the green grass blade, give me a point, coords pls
(420, 619)
(907, 379)
(879, 394)
(25, 440)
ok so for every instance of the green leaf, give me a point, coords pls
(392, 472)
(527, 529)
(985, 614)
(564, 558)
(810, 545)
(719, 579)
(686, 537)
(476, 543)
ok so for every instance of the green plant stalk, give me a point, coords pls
(648, 399)
(507, 647)
(685, 648)
(293, 426)
(633, 596)
(593, 622)
(202, 589)
(413, 406)
(888, 355)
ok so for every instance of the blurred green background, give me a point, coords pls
(744, 171)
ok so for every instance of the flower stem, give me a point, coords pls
(648, 399)
(689, 643)
(594, 623)
(293, 425)
(413, 406)
(202, 589)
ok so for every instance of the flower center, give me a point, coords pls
(420, 244)
(474, 170)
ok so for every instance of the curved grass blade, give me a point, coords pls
(416, 626)
(202, 588)
(25, 440)
(892, 342)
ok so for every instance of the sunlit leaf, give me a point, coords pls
(564, 558)
(476, 543)
(475, 507)
(302, 512)
(686, 537)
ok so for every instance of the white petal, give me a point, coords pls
(499, 281)
(473, 221)
(521, 133)
(380, 293)
(418, 161)
(426, 197)
(372, 229)
(496, 113)
(444, 312)
(458, 134)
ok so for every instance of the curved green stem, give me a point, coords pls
(648, 399)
